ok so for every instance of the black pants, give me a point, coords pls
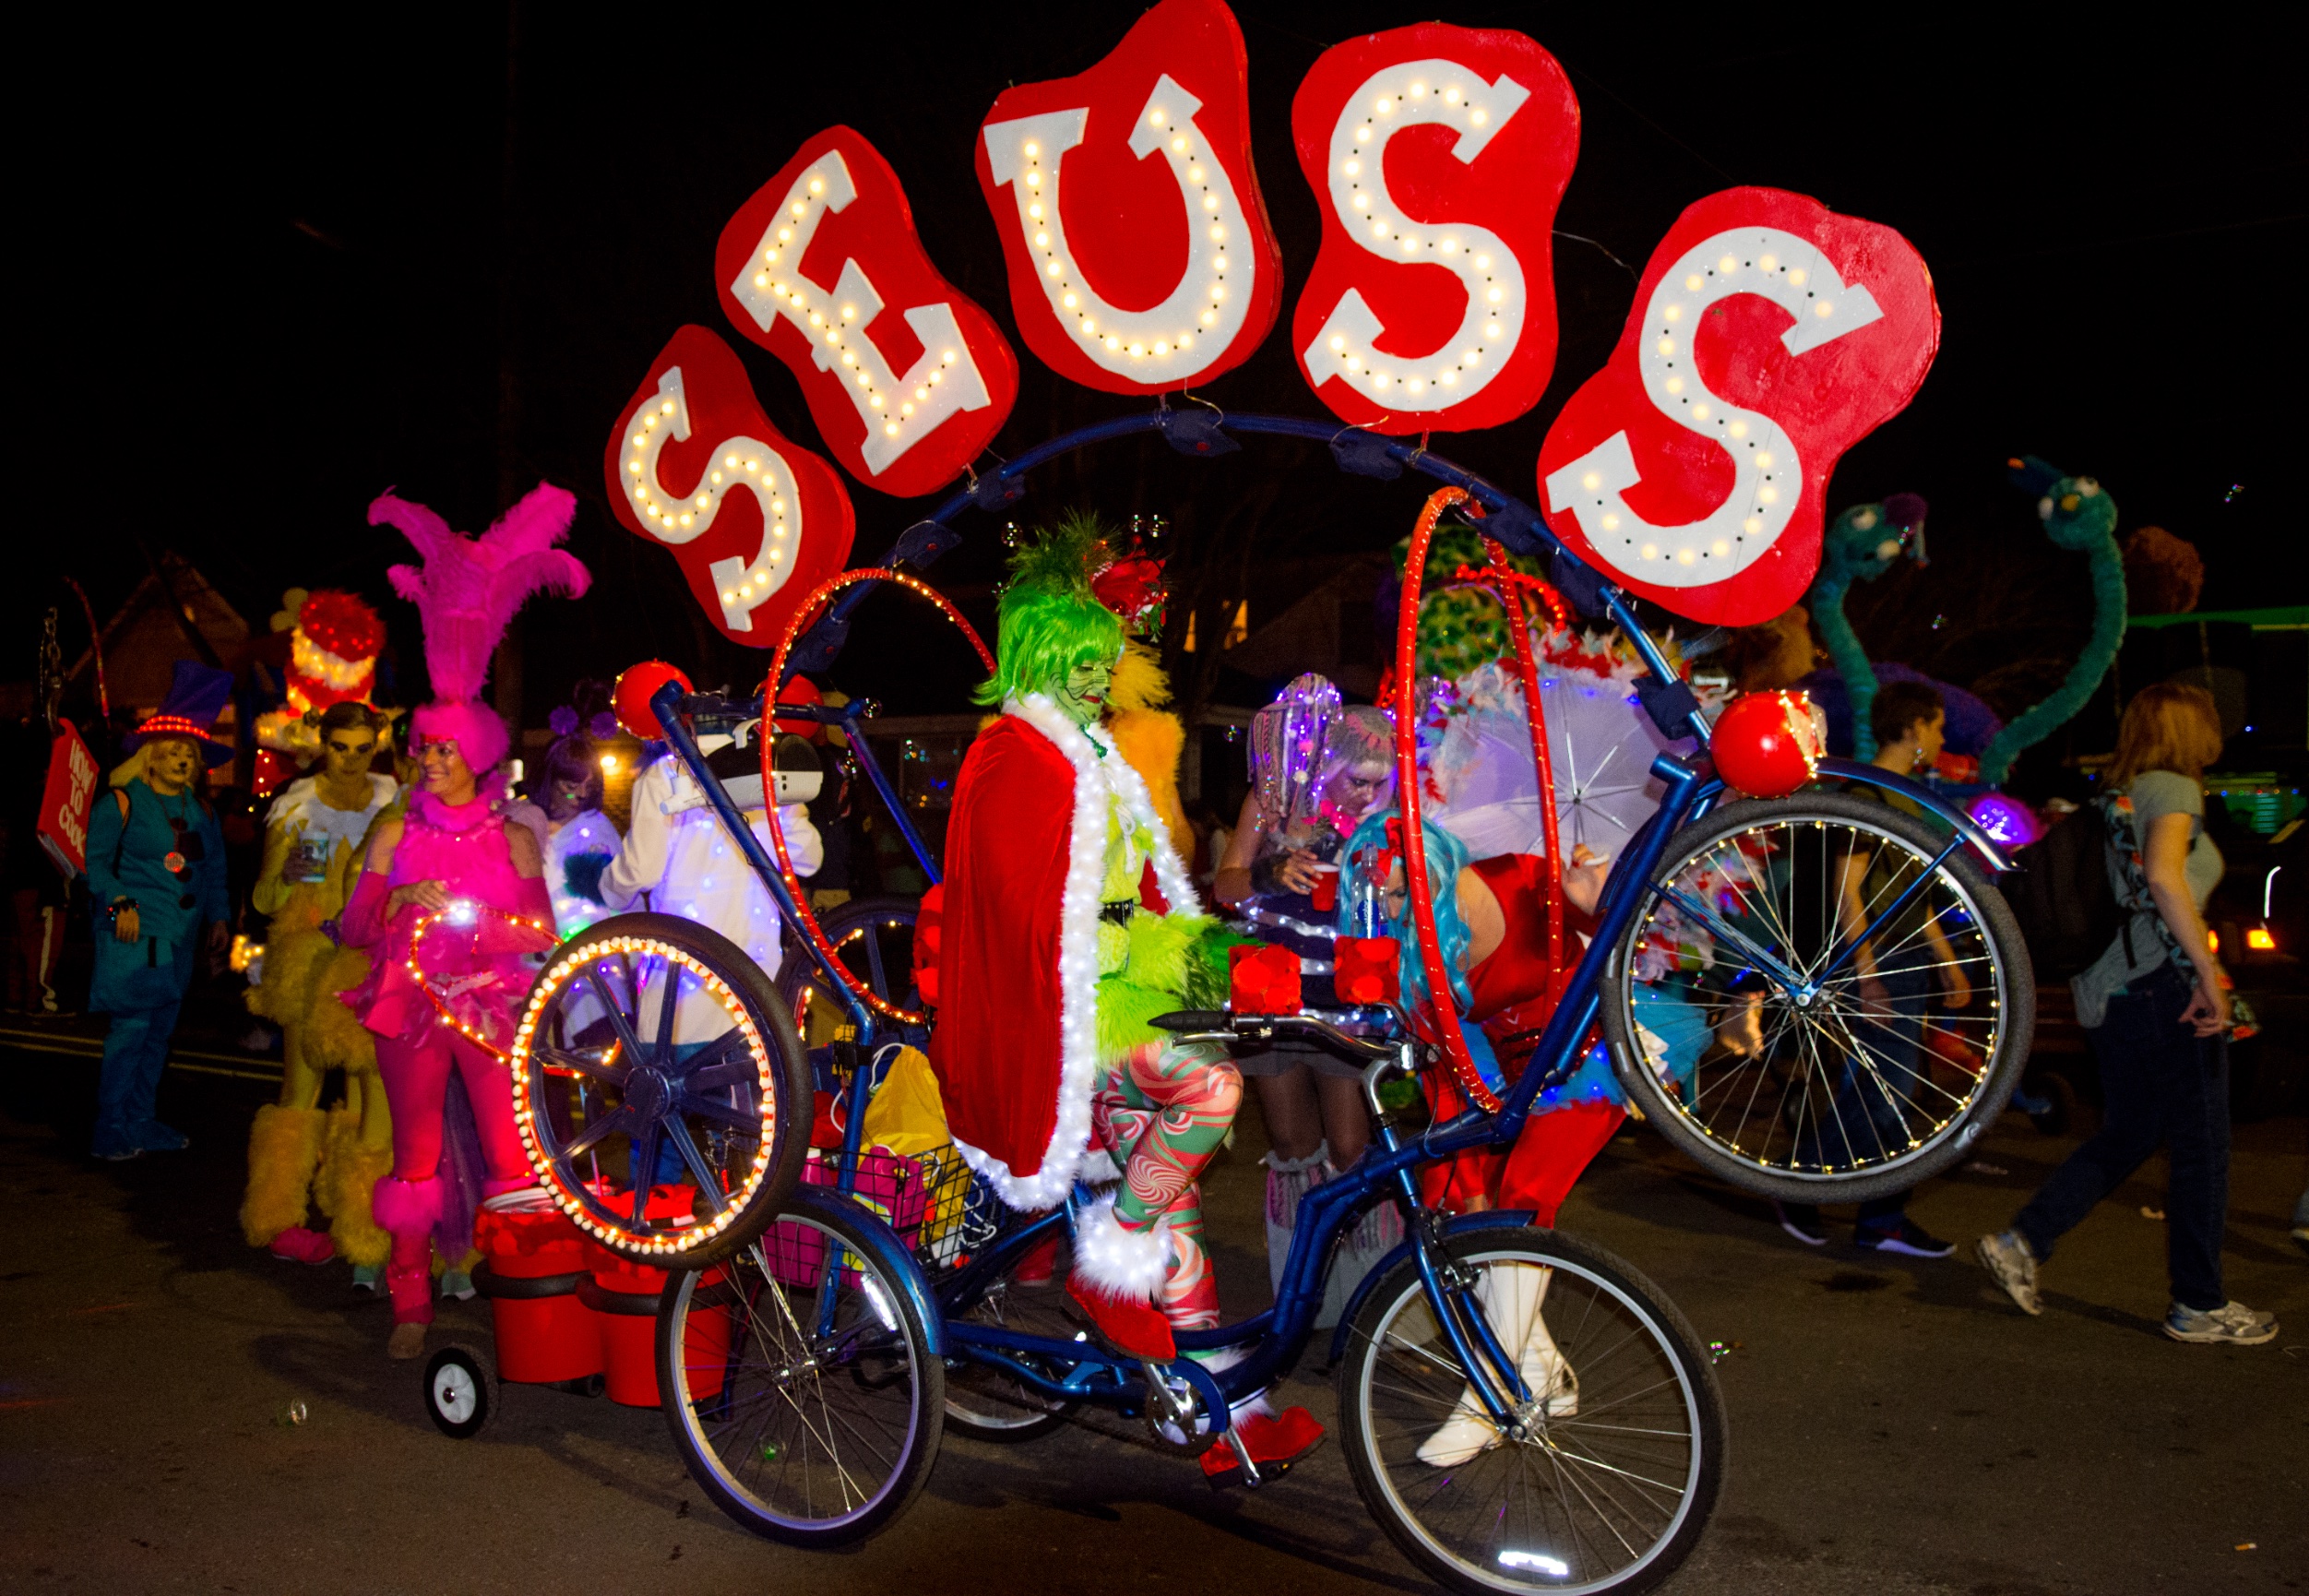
(2166, 1085)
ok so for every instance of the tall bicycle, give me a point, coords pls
(818, 1338)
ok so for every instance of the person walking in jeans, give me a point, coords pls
(2155, 1012)
(1900, 967)
(156, 874)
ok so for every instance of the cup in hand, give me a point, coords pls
(1325, 890)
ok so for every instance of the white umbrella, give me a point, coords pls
(1599, 741)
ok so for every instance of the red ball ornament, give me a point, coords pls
(637, 685)
(1768, 745)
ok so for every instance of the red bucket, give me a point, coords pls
(533, 1260)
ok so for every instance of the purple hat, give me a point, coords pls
(196, 698)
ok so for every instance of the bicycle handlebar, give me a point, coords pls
(1218, 1023)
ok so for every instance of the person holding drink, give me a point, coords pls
(1318, 766)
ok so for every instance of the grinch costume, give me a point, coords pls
(1069, 925)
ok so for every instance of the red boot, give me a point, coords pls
(1135, 1327)
(1274, 1441)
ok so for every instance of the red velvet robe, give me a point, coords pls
(1014, 1048)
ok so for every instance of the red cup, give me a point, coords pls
(1325, 893)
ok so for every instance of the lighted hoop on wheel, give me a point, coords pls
(807, 611)
(1447, 1029)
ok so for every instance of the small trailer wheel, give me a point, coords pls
(460, 1392)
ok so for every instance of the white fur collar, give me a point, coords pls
(1099, 773)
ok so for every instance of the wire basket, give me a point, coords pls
(934, 1201)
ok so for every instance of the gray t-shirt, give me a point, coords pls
(2154, 793)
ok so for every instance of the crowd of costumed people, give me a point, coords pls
(409, 895)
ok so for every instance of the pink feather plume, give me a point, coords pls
(467, 589)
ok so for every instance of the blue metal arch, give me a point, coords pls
(1205, 433)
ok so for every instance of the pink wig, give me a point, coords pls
(466, 591)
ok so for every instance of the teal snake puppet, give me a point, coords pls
(2078, 515)
(1863, 542)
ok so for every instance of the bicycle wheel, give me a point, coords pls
(987, 1404)
(1746, 1022)
(692, 1087)
(1611, 1470)
(875, 937)
(798, 1381)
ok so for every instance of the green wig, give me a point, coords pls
(1050, 620)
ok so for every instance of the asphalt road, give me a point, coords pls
(1896, 1427)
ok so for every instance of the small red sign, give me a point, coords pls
(63, 804)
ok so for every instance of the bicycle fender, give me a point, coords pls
(891, 1252)
(1488, 1219)
(1992, 852)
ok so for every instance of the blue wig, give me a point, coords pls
(1446, 856)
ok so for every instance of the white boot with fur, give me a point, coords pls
(1510, 1294)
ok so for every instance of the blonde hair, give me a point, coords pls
(2166, 727)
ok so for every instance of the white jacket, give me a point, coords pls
(677, 856)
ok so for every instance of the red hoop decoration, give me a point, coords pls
(1446, 1022)
(805, 613)
(1514, 587)
(417, 972)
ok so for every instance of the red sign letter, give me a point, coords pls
(1769, 335)
(1140, 276)
(755, 521)
(1440, 154)
(808, 268)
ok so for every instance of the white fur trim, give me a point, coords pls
(1100, 774)
(1127, 1264)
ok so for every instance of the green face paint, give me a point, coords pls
(1083, 694)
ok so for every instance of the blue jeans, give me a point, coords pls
(135, 1050)
(2162, 1084)
(1880, 1087)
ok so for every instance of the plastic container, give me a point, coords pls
(532, 1262)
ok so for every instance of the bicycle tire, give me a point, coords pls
(745, 1089)
(866, 1357)
(1918, 1130)
(1646, 1421)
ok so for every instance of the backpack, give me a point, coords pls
(2061, 896)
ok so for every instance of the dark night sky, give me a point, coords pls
(271, 285)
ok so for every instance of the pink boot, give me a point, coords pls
(408, 1210)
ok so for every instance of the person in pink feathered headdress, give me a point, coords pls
(454, 873)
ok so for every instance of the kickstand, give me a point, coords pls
(1251, 1476)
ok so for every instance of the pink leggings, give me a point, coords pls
(417, 1076)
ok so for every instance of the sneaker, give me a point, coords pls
(1901, 1235)
(154, 1137)
(122, 1156)
(369, 1277)
(456, 1285)
(2006, 1258)
(2231, 1322)
(1803, 1221)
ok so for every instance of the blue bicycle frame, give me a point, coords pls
(1072, 1370)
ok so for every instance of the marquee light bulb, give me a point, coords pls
(1158, 117)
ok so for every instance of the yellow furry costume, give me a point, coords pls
(1148, 735)
(296, 1150)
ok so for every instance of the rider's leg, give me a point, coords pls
(1510, 1296)
(1162, 1112)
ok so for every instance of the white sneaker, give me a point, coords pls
(2010, 1262)
(2231, 1322)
